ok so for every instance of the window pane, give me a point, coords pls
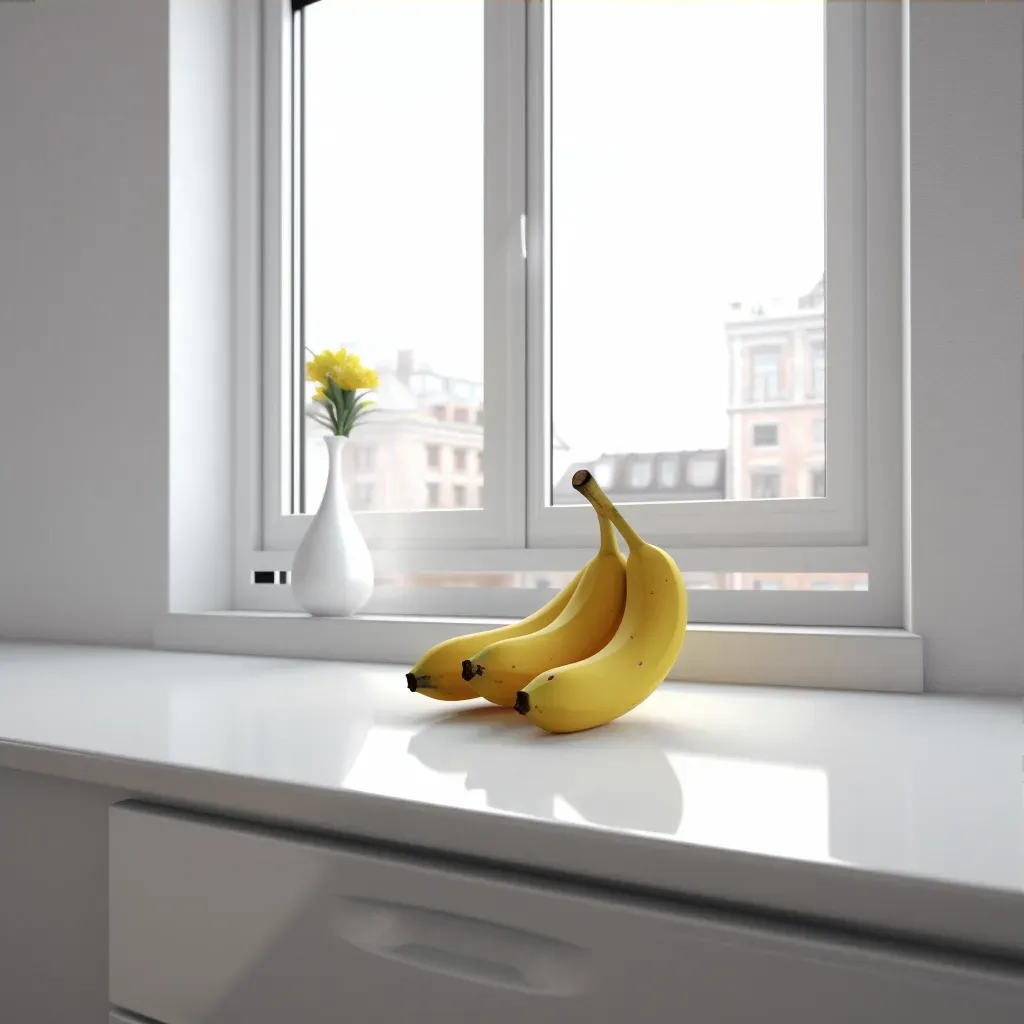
(687, 230)
(393, 226)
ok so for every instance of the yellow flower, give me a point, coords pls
(320, 395)
(319, 366)
(344, 368)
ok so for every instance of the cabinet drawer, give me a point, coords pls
(213, 923)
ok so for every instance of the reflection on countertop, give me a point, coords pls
(619, 778)
(927, 786)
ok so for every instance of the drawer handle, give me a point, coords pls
(462, 947)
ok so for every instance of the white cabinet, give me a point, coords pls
(213, 923)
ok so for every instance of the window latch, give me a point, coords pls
(522, 233)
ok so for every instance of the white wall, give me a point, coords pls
(115, 315)
(83, 318)
(966, 315)
(201, 208)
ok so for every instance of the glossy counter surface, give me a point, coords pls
(897, 813)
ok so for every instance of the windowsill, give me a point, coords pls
(889, 660)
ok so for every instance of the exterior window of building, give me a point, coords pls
(363, 496)
(766, 483)
(765, 375)
(460, 496)
(461, 414)
(668, 473)
(460, 460)
(766, 435)
(434, 456)
(440, 412)
(701, 473)
(767, 585)
(640, 474)
(365, 458)
(433, 495)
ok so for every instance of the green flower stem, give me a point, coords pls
(345, 407)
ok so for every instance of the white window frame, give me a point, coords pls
(501, 523)
(857, 528)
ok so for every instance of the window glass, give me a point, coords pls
(687, 224)
(393, 232)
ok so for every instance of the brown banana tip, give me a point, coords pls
(410, 681)
(581, 478)
(522, 704)
(469, 670)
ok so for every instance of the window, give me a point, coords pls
(640, 474)
(362, 496)
(604, 474)
(765, 375)
(766, 483)
(668, 473)
(364, 458)
(767, 585)
(818, 432)
(701, 473)
(649, 333)
(817, 375)
(817, 483)
(368, 227)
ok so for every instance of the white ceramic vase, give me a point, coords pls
(333, 573)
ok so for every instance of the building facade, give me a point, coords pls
(777, 418)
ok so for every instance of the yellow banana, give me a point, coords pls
(438, 673)
(584, 626)
(629, 669)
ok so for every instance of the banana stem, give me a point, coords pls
(585, 483)
(608, 545)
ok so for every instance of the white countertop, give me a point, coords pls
(902, 813)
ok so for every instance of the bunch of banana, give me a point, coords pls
(574, 623)
(594, 652)
(584, 626)
(628, 669)
(438, 673)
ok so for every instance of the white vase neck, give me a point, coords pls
(334, 493)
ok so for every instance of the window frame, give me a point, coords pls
(501, 522)
(718, 536)
(841, 519)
